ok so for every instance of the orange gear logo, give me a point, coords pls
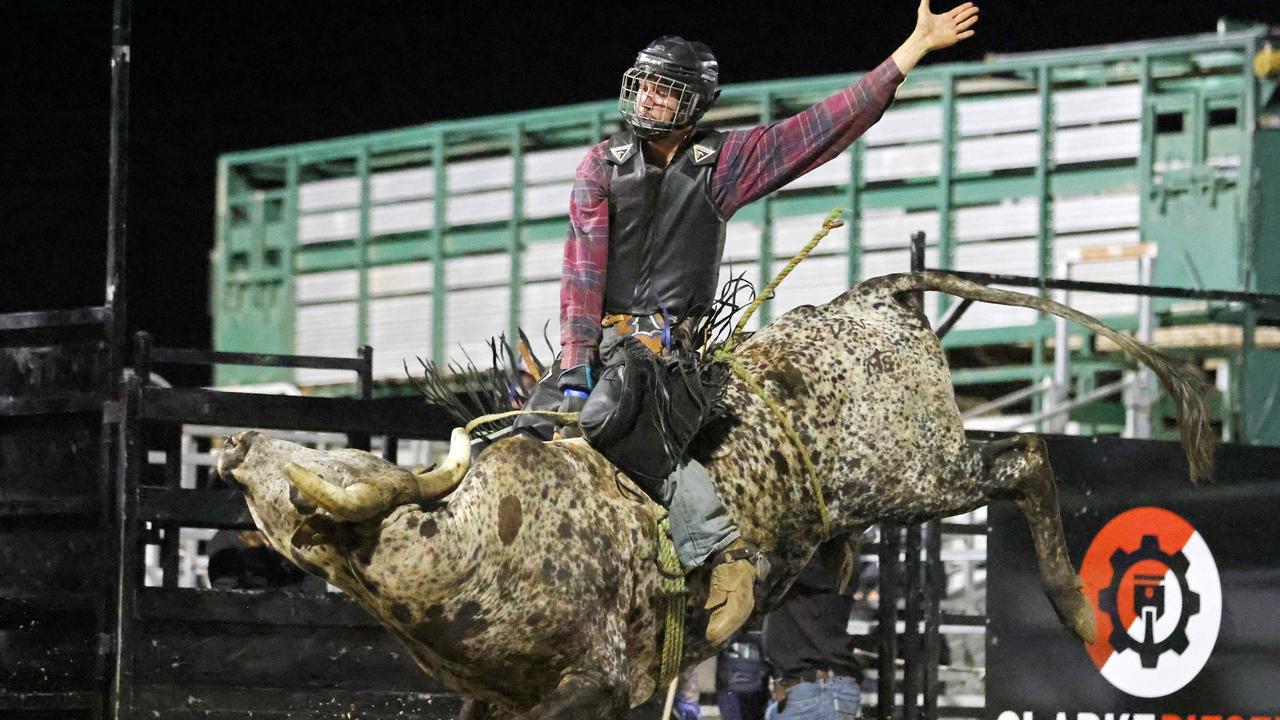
(1157, 601)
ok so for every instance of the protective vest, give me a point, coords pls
(665, 235)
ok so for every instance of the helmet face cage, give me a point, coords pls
(645, 102)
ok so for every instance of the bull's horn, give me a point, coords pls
(437, 483)
(355, 503)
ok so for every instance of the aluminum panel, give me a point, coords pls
(542, 261)
(399, 332)
(550, 165)
(1096, 212)
(326, 226)
(474, 270)
(900, 162)
(325, 194)
(402, 217)
(1091, 144)
(327, 330)
(401, 279)
(742, 240)
(481, 207)
(397, 185)
(471, 318)
(324, 286)
(1095, 105)
(546, 201)
(539, 312)
(893, 227)
(485, 174)
(903, 125)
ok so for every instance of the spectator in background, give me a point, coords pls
(241, 559)
(742, 679)
(816, 674)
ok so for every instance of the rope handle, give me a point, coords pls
(562, 417)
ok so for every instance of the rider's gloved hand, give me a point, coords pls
(576, 384)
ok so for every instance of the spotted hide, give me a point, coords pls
(531, 585)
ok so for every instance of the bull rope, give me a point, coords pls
(673, 586)
(725, 354)
(561, 417)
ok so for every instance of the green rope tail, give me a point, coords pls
(677, 598)
(563, 418)
(831, 222)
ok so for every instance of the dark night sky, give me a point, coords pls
(215, 76)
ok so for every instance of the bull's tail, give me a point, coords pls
(1184, 385)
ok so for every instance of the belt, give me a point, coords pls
(783, 686)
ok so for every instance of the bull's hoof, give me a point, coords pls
(234, 449)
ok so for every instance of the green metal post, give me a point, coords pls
(946, 236)
(222, 242)
(766, 223)
(515, 246)
(292, 176)
(362, 250)
(1044, 202)
(854, 220)
(438, 289)
(1236, 427)
(1247, 180)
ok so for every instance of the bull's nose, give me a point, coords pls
(234, 449)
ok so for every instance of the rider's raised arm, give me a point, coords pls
(755, 162)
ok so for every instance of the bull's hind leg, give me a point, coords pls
(1018, 469)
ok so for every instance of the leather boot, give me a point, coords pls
(730, 600)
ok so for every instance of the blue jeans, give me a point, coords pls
(700, 523)
(837, 698)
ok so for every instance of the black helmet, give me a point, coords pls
(669, 68)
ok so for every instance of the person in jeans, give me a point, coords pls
(816, 674)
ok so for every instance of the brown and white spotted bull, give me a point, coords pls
(530, 584)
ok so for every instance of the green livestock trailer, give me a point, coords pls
(1154, 162)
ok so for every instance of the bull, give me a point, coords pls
(528, 581)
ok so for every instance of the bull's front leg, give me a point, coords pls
(596, 686)
(583, 694)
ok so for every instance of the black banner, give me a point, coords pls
(1184, 580)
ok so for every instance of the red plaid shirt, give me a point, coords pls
(752, 164)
